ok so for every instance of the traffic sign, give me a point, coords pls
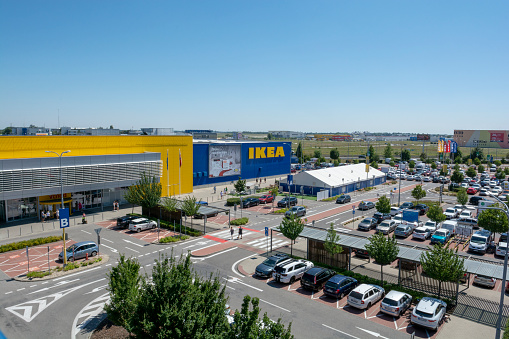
(353, 207)
(266, 231)
(63, 214)
(353, 211)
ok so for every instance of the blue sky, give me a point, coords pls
(315, 66)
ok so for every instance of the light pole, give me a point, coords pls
(61, 197)
(400, 173)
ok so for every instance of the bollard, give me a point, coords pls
(86, 256)
(42, 227)
(31, 229)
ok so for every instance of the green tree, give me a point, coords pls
(457, 177)
(131, 196)
(334, 154)
(336, 163)
(391, 163)
(274, 192)
(477, 153)
(506, 171)
(383, 205)
(170, 204)
(388, 151)
(124, 284)
(493, 220)
(411, 164)
(436, 214)
(291, 227)
(270, 136)
(418, 193)
(500, 175)
(471, 172)
(477, 162)
(299, 153)
(443, 264)
(383, 249)
(373, 156)
(462, 196)
(433, 165)
(423, 156)
(458, 155)
(498, 163)
(190, 207)
(443, 171)
(317, 153)
(405, 155)
(7, 131)
(374, 164)
(457, 167)
(480, 168)
(148, 192)
(240, 185)
(331, 243)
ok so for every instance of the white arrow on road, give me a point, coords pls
(24, 310)
(238, 281)
(97, 289)
(129, 241)
(377, 335)
(111, 248)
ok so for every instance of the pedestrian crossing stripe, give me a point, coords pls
(260, 243)
(226, 234)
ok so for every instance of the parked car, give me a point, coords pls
(484, 280)
(441, 236)
(316, 277)
(342, 199)
(381, 217)
(422, 208)
(501, 245)
(367, 224)
(365, 295)
(249, 202)
(287, 202)
(480, 241)
(366, 205)
(406, 205)
(429, 313)
(266, 268)
(395, 211)
(403, 230)
(79, 250)
(339, 286)
(475, 200)
(265, 199)
(141, 224)
(288, 272)
(431, 225)
(421, 233)
(471, 190)
(386, 227)
(298, 211)
(125, 220)
(396, 303)
(451, 213)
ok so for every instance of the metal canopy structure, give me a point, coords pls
(406, 253)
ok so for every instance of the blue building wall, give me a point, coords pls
(250, 168)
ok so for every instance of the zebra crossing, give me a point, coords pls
(226, 234)
(262, 243)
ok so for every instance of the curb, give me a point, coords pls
(23, 278)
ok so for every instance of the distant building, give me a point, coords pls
(334, 137)
(202, 134)
(89, 131)
(31, 130)
(158, 131)
(288, 135)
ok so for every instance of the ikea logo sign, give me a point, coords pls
(266, 152)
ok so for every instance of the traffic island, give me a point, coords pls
(60, 271)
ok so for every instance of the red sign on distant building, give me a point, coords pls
(497, 137)
(423, 137)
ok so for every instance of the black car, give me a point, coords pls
(475, 200)
(266, 268)
(406, 205)
(366, 205)
(367, 224)
(381, 217)
(125, 220)
(287, 201)
(248, 202)
(436, 180)
(343, 199)
(316, 277)
(422, 208)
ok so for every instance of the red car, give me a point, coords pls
(471, 190)
(266, 199)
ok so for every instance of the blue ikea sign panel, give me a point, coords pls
(258, 160)
(411, 215)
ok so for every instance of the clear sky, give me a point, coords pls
(314, 66)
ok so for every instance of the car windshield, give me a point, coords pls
(420, 231)
(503, 238)
(355, 295)
(390, 302)
(331, 284)
(401, 229)
(385, 224)
(423, 314)
(269, 262)
(450, 210)
(440, 234)
(71, 248)
(478, 240)
(398, 217)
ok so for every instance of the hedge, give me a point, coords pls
(281, 211)
(32, 242)
(240, 221)
(37, 274)
(173, 239)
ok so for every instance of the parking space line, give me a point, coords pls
(86, 232)
(107, 240)
(340, 331)
(132, 249)
(8, 292)
(284, 309)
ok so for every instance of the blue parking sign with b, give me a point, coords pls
(266, 231)
(63, 214)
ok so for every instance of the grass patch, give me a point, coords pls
(37, 274)
(173, 239)
(240, 221)
(281, 211)
(30, 243)
(428, 203)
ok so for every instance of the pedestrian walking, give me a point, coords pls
(43, 216)
(114, 205)
(221, 194)
(48, 215)
(240, 232)
(265, 180)
(214, 189)
(231, 232)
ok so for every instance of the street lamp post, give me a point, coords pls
(61, 196)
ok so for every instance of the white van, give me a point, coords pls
(450, 225)
(465, 214)
(480, 241)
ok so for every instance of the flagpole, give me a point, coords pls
(180, 164)
(167, 176)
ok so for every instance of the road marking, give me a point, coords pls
(284, 309)
(97, 304)
(238, 281)
(21, 289)
(97, 289)
(218, 253)
(8, 292)
(132, 249)
(111, 248)
(74, 274)
(340, 331)
(235, 264)
(33, 286)
(107, 240)
(135, 244)
(377, 335)
(108, 265)
(86, 232)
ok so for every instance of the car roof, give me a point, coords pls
(362, 288)
(315, 270)
(429, 305)
(395, 295)
(139, 219)
(84, 243)
(338, 278)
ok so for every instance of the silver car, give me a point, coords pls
(396, 303)
(429, 313)
(386, 227)
(141, 224)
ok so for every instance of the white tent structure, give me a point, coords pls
(335, 180)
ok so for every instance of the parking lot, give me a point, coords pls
(148, 236)
(15, 263)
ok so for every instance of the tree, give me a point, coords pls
(334, 154)
(383, 205)
(131, 196)
(317, 153)
(240, 185)
(471, 172)
(462, 196)
(498, 163)
(434, 165)
(374, 164)
(500, 175)
(384, 250)
(331, 242)
(190, 207)
(291, 227)
(299, 153)
(391, 163)
(7, 131)
(123, 285)
(477, 162)
(493, 220)
(436, 214)
(477, 153)
(411, 164)
(480, 168)
(270, 136)
(458, 155)
(405, 155)
(423, 156)
(274, 192)
(111, 126)
(373, 156)
(418, 193)
(146, 192)
(457, 167)
(336, 163)
(388, 151)
(170, 204)
(443, 264)
(457, 177)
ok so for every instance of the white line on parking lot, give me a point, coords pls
(284, 309)
(340, 331)
(377, 335)
(86, 232)
(132, 249)
(8, 292)
(135, 244)
(238, 281)
(107, 240)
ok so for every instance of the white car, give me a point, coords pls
(421, 233)
(431, 225)
(398, 218)
(496, 190)
(365, 295)
(141, 224)
(395, 211)
(464, 185)
(429, 313)
(451, 213)
(288, 272)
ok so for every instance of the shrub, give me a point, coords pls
(71, 266)
(281, 211)
(173, 239)
(37, 274)
(240, 221)
(32, 242)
